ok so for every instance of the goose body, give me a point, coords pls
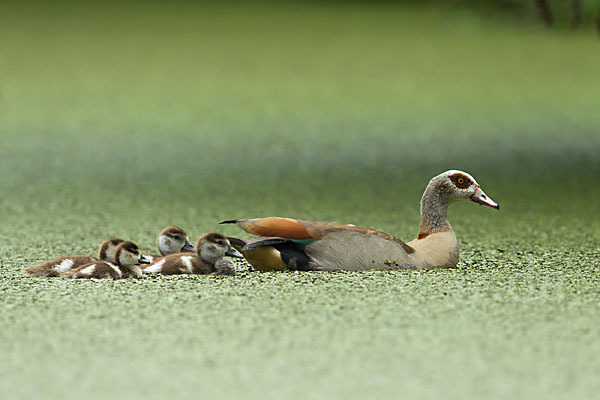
(330, 246)
(171, 240)
(127, 256)
(211, 249)
(58, 265)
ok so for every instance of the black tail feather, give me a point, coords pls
(229, 221)
(264, 243)
(236, 242)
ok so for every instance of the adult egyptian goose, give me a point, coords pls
(287, 243)
(59, 265)
(171, 240)
(211, 249)
(127, 255)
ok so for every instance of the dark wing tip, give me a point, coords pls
(229, 221)
(250, 246)
(264, 243)
(236, 242)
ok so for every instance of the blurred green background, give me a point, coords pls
(250, 108)
(119, 119)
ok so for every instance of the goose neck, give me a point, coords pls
(434, 206)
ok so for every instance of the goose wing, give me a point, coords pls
(296, 229)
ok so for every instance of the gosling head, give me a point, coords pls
(172, 240)
(128, 254)
(457, 185)
(108, 249)
(213, 246)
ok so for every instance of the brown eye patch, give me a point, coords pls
(214, 237)
(131, 247)
(461, 181)
(172, 231)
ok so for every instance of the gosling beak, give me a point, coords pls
(481, 198)
(233, 253)
(188, 247)
(143, 260)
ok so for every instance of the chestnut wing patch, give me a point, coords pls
(275, 226)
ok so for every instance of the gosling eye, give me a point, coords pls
(176, 237)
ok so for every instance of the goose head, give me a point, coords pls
(448, 187)
(128, 254)
(108, 249)
(173, 239)
(455, 185)
(213, 246)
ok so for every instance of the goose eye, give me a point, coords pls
(460, 181)
(176, 237)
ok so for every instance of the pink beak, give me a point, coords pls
(482, 198)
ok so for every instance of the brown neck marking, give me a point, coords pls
(424, 231)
